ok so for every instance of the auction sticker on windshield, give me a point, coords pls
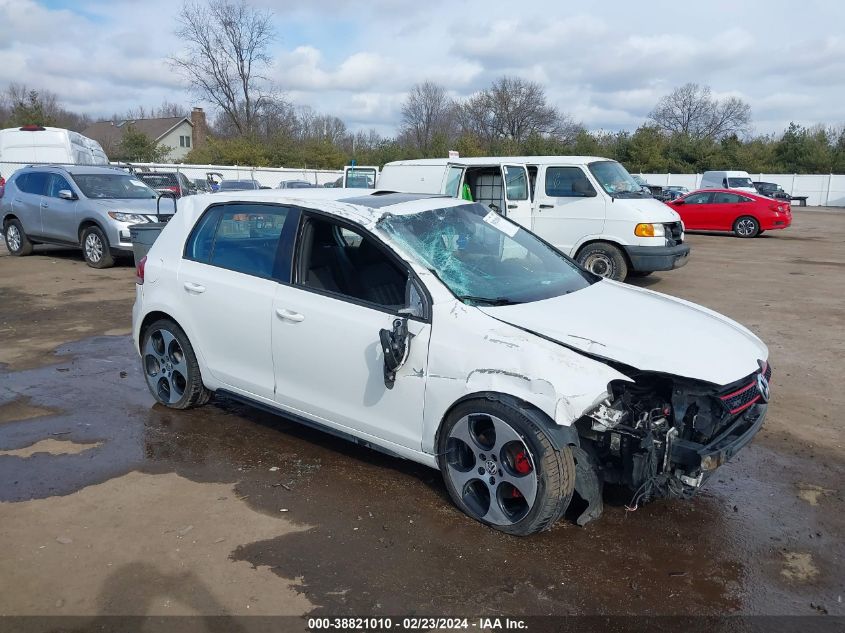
(498, 222)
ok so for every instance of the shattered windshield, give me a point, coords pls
(616, 180)
(483, 258)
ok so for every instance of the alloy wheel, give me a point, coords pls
(491, 468)
(13, 237)
(745, 227)
(164, 366)
(93, 248)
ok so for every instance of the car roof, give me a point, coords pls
(363, 206)
(79, 169)
(495, 160)
(747, 194)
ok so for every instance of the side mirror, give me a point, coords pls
(394, 346)
(67, 194)
(679, 201)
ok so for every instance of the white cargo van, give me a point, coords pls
(739, 180)
(588, 207)
(36, 144)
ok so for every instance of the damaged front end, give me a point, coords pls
(663, 436)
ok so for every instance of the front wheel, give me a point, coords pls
(501, 469)
(604, 260)
(746, 226)
(95, 248)
(170, 367)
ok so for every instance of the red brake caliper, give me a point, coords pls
(522, 466)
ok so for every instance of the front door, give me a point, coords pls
(326, 347)
(517, 196)
(229, 277)
(58, 216)
(696, 211)
(568, 207)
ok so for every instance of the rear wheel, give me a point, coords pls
(604, 260)
(170, 367)
(746, 226)
(16, 240)
(95, 248)
(501, 469)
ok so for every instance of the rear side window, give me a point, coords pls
(727, 198)
(567, 182)
(240, 237)
(34, 182)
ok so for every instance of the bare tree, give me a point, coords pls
(426, 113)
(226, 53)
(691, 110)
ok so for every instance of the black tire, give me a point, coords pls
(95, 248)
(604, 260)
(639, 273)
(553, 471)
(17, 243)
(171, 371)
(746, 227)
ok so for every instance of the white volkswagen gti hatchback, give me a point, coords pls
(433, 329)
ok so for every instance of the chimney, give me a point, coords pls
(200, 130)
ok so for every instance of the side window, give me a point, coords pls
(348, 262)
(21, 182)
(453, 181)
(726, 198)
(57, 183)
(698, 198)
(516, 183)
(35, 183)
(240, 237)
(567, 182)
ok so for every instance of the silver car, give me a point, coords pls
(88, 207)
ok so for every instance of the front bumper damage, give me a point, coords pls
(664, 436)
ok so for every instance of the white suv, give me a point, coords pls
(436, 330)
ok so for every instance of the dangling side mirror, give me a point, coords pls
(394, 346)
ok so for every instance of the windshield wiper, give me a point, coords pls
(491, 301)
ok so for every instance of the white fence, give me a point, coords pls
(267, 176)
(826, 190)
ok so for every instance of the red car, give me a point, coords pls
(744, 214)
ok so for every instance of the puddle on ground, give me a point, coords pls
(21, 409)
(51, 447)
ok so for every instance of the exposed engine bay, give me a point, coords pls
(662, 436)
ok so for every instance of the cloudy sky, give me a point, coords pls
(605, 63)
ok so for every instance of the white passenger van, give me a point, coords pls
(38, 144)
(739, 180)
(588, 207)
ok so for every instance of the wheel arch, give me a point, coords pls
(8, 218)
(89, 222)
(560, 436)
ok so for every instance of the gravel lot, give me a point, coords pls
(111, 505)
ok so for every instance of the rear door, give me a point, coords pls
(724, 209)
(567, 205)
(59, 216)
(26, 203)
(228, 277)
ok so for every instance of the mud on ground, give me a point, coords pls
(111, 504)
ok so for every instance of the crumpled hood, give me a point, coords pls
(644, 329)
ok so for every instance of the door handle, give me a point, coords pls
(511, 206)
(44, 205)
(290, 315)
(194, 288)
(547, 206)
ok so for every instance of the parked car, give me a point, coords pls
(437, 330)
(239, 185)
(168, 182)
(672, 192)
(39, 144)
(202, 185)
(295, 184)
(588, 207)
(738, 180)
(88, 207)
(652, 190)
(359, 177)
(771, 190)
(744, 214)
